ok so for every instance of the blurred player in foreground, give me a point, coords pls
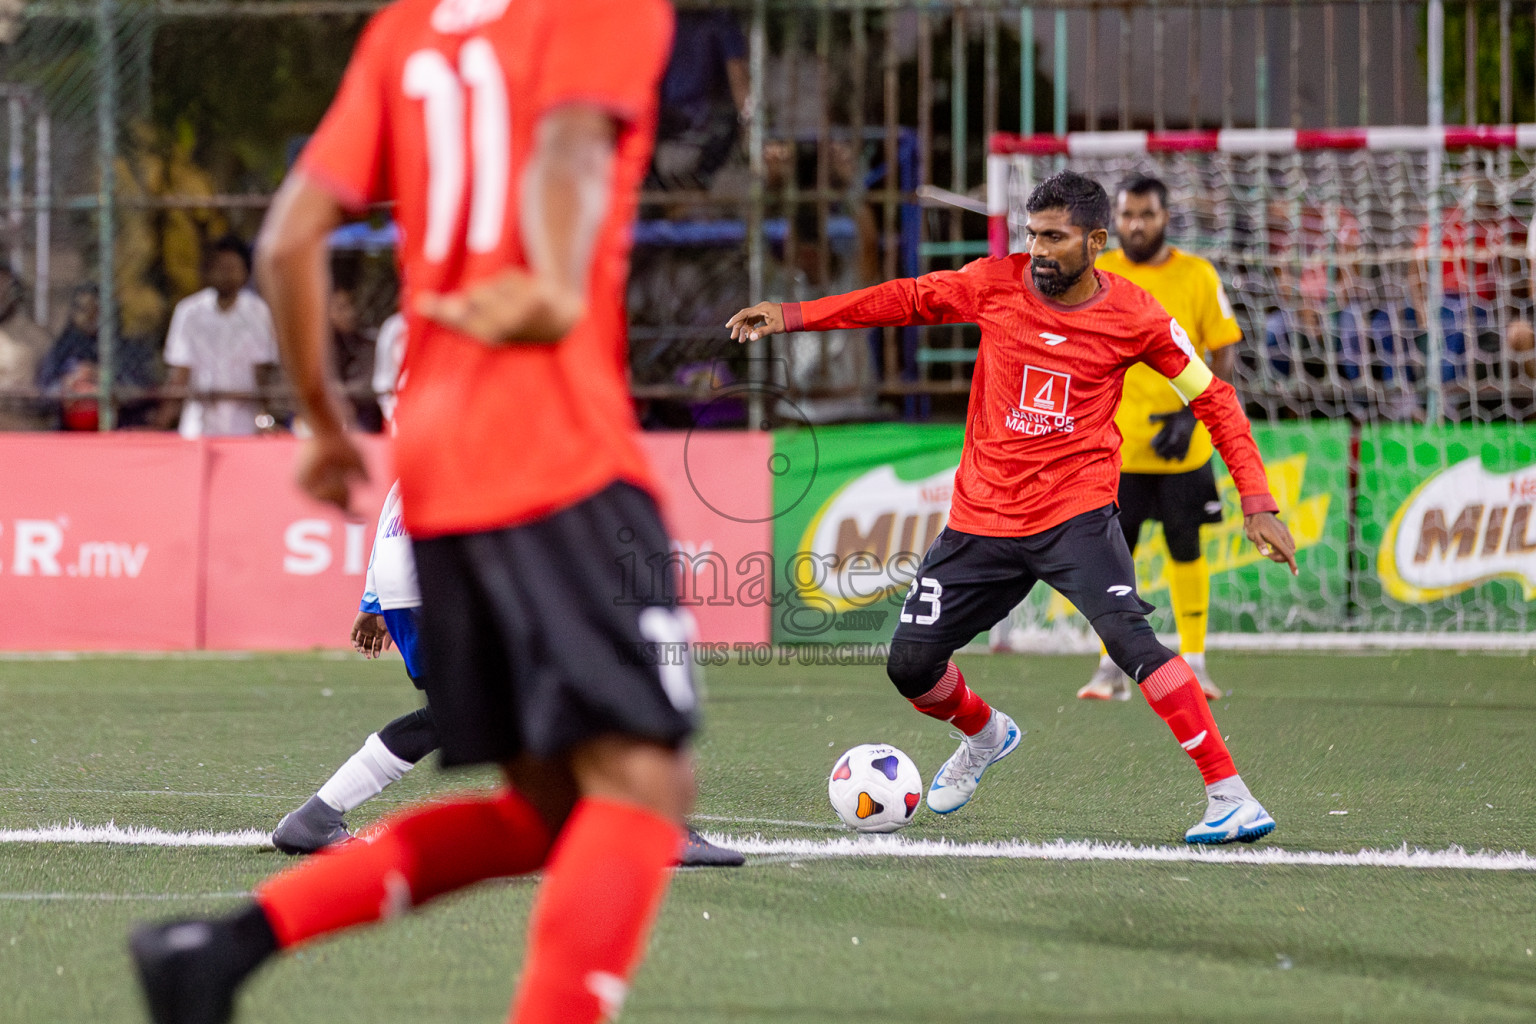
(513, 138)
(1165, 453)
(390, 613)
(1034, 496)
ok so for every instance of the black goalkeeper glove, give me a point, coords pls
(1172, 441)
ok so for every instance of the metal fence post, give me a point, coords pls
(106, 208)
(1434, 399)
(757, 57)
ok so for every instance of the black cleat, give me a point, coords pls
(699, 852)
(311, 828)
(190, 970)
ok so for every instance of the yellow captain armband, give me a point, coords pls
(1194, 379)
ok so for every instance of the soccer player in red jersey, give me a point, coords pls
(1034, 496)
(513, 138)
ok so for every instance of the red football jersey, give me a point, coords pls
(438, 111)
(1041, 445)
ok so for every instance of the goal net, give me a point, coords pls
(1392, 394)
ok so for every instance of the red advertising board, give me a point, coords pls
(718, 504)
(149, 542)
(99, 542)
(283, 571)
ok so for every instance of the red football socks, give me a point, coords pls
(418, 854)
(951, 700)
(1174, 693)
(602, 887)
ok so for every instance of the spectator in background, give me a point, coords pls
(354, 353)
(220, 349)
(1520, 339)
(22, 347)
(1469, 269)
(69, 376)
(703, 100)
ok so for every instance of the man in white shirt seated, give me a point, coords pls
(220, 350)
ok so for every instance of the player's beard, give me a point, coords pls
(1143, 251)
(1060, 280)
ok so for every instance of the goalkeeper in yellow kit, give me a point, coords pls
(1166, 455)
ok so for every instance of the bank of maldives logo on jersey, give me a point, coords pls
(1042, 407)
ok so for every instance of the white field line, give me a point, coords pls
(117, 897)
(1068, 850)
(75, 832)
(896, 846)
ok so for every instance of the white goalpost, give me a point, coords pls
(1392, 391)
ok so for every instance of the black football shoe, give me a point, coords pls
(311, 828)
(699, 852)
(190, 970)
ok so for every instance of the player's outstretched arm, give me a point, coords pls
(943, 297)
(564, 200)
(293, 270)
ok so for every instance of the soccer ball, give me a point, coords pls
(875, 788)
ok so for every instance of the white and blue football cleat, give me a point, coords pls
(1231, 819)
(958, 778)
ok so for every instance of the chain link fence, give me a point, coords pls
(807, 147)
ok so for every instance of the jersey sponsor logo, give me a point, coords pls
(1042, 405)
(1052, 339)
(1181, 338)
(1045, 391)
(1463, 526)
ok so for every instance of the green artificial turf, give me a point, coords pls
(1424, 749)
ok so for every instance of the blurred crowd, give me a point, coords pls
(1334, 325)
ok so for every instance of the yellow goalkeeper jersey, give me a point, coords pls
(1190, 290)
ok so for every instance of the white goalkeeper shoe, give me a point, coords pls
(1196, 663)
(1108, 683)
(958, 778)
(1231, 819)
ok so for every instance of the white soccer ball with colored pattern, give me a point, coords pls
(875, 788)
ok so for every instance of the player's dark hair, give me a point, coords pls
(1083, 198)
(1144, 185)
(231, 243)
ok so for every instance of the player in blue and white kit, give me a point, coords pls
(390, 606)
(389, 611)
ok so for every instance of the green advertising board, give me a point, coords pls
(1447, 528)
(875, 496)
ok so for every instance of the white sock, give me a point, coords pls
(1233, 788)
(1196, 662)
(991, 734)
(1105, 661)
(364, 776)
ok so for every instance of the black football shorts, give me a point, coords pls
(968, 582)
(1182, 502)
(541, 636)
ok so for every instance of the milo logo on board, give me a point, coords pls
(871, 534)
(1461, 527)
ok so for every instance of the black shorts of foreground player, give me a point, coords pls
(1035, 490)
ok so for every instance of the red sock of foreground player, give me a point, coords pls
(604, 883)
(951, 700)
(1174, 693)
(418, 854)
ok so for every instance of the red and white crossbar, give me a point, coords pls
(1396, 138)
